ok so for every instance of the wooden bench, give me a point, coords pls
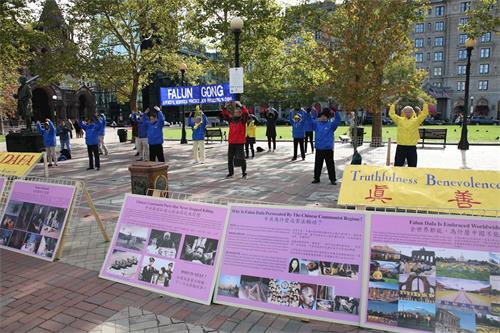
(211, 133)
(432, 134)
(344, 138)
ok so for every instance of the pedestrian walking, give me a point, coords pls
(237, 119)
(251, 130)
(198, 126)
(325, 128)
(141, 141)
(308, 127)
(102, 133)
(92, 127)
(154, 123)
(78, 129)
(65, 134)
(297, 120)
(271, 117)
(48, 132)
(407, 134)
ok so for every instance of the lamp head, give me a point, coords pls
(236, 24)
(470, 43)
(183, 67)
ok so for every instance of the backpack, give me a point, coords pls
(66, 154)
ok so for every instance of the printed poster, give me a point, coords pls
(433, 274)
(381, 186)
(167, 246)
(293, 261)
(18, 164)
(35, 217)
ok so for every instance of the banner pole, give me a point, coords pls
(45, 165)
(94, 212)
(388, 158)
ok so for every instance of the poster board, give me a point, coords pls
(433, 274)
(282, 260)
(382, 186)
(35, 217)
(167, 246)
(18, 164)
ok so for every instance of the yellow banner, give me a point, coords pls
(18, 164)
(380, 186)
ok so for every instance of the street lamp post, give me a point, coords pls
(183, 68)
(463, 144)
(236, 25)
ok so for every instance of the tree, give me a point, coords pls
(484, 17)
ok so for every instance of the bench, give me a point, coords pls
(432, 134)
(344, 138)
(211, 133)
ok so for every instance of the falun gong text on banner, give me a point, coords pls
(214, 93)
(420, 187)
(18, 164)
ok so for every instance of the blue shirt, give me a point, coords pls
(310, 118)
(92, 131)
(324, 132)
(142, 126)
(199, 132)
(298, 127)
(49, 135)
(155, 130)
(102, 130)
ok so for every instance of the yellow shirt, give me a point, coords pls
(251, 130)
(408, 127)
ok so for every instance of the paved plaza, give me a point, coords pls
(68, 296)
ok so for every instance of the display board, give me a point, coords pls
(168, 246)
(433, 274)
(293, 261)
(18, 164)
(35, 217)
(380, 186)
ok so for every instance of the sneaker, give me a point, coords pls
(202, 162)
(316, 181)
(294, 159)
(244, 175)
(303, 158)
(137, 154)
(229, 175)
(333, 182)
(98, 169)
(90, 168)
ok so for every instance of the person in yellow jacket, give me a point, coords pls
(408, 136)
(251, 134)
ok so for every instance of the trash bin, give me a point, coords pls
(148, 175)
(360, 132)
(122, 134)
(24, 142)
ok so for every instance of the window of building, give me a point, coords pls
(462, 38)
(439, 26)
(464, 20)
(439, 10)
(462, 54)
(419, 27)
(461, 70)
(419, 57)
(429, 12)
(460, 85)
(419, 43)
(438, 56)
(438, 71)
(437, 84)
(484, 68)
(486, 37)
(428, 58)
(464, 6)
(439, 41)
(429, 42)
(483, 85)
(484, 53)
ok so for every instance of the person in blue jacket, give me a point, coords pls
(297, 120)
(102, 133)
(325, 128)
(48, 132)
(308, 126)
(141, 141)
(198, 126)
(154, 124)
(92, 128)
(65, 134)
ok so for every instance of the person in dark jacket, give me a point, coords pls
(48, 132)
(154, 123)
(308, 126)
(271, 116)
(91, 129)
(237, 138)
(325, 128)
(141, 142)
(198, 126)
(65, 134)
(297, 120)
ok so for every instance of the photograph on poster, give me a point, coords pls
(418, 288)
(163, 243)
(463, 264)
(454, 320)
(384, 252)
(339, 270)
(325, 298)
(487, 323)
(156, 271)
(309, 267)
(463, 293)
(132, 237)
(283, 292)
(17, 239)
(199, 250)
(294, 266)
(31, 243)
(417, 315)
(384, 295)
(123, 263)
(47, 247)
(346, 304)
(383, 313)
(4, 236)
(416, 260)
(229, 285)
(253, 288)
(384, 271)
(25, 215)
(8, 222)
(14, 208)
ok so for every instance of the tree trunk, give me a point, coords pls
(133, 94)
(376, 127)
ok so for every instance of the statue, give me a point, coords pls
(24, 107)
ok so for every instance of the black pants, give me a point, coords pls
(156, 151)
(235, 152)
(249, 145)
(310, 137)
(93, 151)
(408, 153)
(327, 156)
(297, 142)
(273, 139)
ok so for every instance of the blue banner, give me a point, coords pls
(214, 93)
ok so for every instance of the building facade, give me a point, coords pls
(439, 49)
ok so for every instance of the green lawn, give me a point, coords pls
(2, 138)
(477, 133)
